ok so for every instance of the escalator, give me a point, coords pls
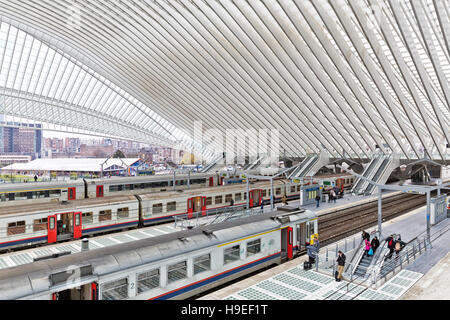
(305, 167)
(366, 174)
(377, 175)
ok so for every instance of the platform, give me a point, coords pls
(425, 278)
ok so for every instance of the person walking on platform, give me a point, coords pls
(231, 202)
(317, 201)
(284, 200)
(262, 205)
(333, 195)
(340, 268)
(375, 244)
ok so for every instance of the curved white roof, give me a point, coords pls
(344, 75)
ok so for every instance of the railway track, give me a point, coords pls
(340, 224)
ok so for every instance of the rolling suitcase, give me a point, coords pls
(306, 265)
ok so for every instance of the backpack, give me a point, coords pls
(390, 243)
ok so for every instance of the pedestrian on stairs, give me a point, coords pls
(367, 247)
(340, 267)
(375, 244)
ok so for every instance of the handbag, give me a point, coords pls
(370, 253)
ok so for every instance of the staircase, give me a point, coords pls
(363, 266)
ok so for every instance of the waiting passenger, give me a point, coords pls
(262, 205)
(35, 178)
(341, 263)
(317, 201)
(284, 200)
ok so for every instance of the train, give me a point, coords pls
(43, 192)
(42, 223)
(178, 265)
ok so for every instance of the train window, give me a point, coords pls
(41, 194)
(219, 199)
(208, 201)
(177, 271)
(237, 196)
(253, 247)
(113, 188)
(88, 217)
(128, 187)
(115, 290)
(292, 188)
(231, 254)
(54, 193)
(104, 215)
(147, 280)
(77, 220)
(3, 197)
(298, 188)
(40, 224)
(21, 196)
(157, 208)
(264, 193)
(245, 195)
(202, 263)
(12, 196)
(228, 198)
(171, 206)
(122, 213)
(16, 228)
(278, 191)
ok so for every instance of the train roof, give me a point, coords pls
(36, 186)
(55, 205)
(33, 278)
(207, 190)
(151, 178)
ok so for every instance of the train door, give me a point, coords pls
(203, 206)
(211, 181)
(77, 225)
(255, 198)
(220, 181)
(99, 191)
(51, 227)
(190, 207)
(289, 240)
(83, 292)
(72, 194)
(301, 236)
(197, 204)
(65, 225)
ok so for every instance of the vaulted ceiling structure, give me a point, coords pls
(340, 75)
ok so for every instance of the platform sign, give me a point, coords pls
(438, 209)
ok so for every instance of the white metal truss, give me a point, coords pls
(344, 75)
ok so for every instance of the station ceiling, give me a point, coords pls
(340, 75)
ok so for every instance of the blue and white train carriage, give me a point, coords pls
(172, 266)
(24, 225)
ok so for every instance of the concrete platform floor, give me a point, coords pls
(435, 285)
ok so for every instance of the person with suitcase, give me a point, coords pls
(340, 268)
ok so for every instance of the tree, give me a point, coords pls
(118, 154)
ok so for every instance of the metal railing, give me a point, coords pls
(195, 219)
